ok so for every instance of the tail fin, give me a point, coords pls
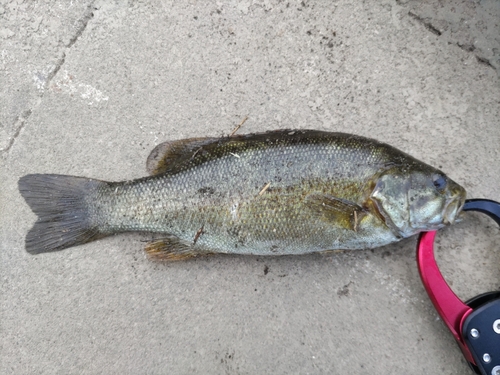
(62, 209)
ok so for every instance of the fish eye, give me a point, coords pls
(439, 181)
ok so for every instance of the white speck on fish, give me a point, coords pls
(234, 211)
(265, 188)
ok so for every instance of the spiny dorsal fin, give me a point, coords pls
(173, 156)
(170, 154)
(339, 211)
(171, 249)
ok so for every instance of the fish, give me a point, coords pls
(282, 192)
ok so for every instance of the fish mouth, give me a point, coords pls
(453, 208)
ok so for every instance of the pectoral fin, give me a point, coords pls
(171, 154)
(171, 249)
(338, 211)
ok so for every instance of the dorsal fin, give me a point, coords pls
(173, 156)
(170, 154)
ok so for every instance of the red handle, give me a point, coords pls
(451, 309)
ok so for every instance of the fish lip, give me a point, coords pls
(452, 209)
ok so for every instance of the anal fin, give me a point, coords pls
(172, 249)
(338, 211)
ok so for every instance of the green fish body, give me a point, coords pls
(275, 193)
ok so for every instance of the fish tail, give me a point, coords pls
(60, 202)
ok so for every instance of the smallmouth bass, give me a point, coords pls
(275, 193)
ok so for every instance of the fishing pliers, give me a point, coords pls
(475, 324)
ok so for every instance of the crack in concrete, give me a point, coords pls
(480, 59)
(484, 61)
(23, 117)
(56, 69)
(426, 24)
(465, 47)
(87, 15)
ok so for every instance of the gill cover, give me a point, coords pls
(390, 197)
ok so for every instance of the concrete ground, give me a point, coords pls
(89, 88)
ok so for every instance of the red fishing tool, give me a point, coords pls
(475, 324)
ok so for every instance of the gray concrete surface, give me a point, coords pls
(89, 88)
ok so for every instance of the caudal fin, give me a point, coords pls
(62, 209)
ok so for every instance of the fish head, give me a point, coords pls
(417, 198)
